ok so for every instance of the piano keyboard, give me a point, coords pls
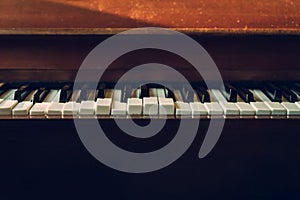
(150, 100)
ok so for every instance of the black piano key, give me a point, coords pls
(40, 95)
(22, 93)
(245, 94)
(31, 94)
(288, 94)
(272, 92)
(170, 93)
(188, 94)
(77, 96)
(126, 92)
(65, 94)
(202, 93)
(2, 91)
(229, 92)
(144, 91)
(101, 91)
(295, 88)
(84, 92)
(3, 88)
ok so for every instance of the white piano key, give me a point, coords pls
(178, 96)
(75, 95)
(134, 106)
(150, 106)
(161, 93)
(260, 96)
(91, 95)
(182, 108)
(56, 97)
(103, 106)
(245, 108)
(8, 95)
(30, 96)
(298, 103)
(152, 92)
(87, 108)
(118, 108)
(291, 108)
(276, 108)
(6, 106)
(198, 108)
(229, 108)
(216, 96)
(1, 100)
(213, 108)
(109, 93)
(39, 109)
(166, 106)
(117, 95)
(55, 108)
(22, 108)
(196, 97)
(71, 108)
(52, 96)
(136, 93)
(260, 108)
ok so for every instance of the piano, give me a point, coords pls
(256, 47)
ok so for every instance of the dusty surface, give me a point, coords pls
(212, 14)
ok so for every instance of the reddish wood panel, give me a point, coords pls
(241, 14)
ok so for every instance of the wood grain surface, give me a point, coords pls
(104, 15)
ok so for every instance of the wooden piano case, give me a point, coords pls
(46, 41)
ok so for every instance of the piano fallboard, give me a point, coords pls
(240, 57)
